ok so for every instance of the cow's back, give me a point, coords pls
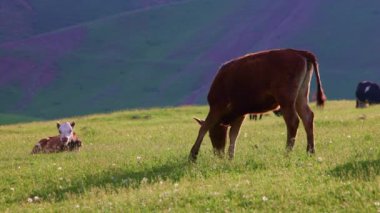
(250, 83)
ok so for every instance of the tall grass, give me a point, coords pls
(137, 161)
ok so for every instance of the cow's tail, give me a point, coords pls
(321, 97)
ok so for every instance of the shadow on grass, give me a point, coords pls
(363, 170)
(115, 178)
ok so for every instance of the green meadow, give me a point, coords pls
(136, 161)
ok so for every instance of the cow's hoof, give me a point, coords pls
(192, 158)
(288, 149)
(311, 152)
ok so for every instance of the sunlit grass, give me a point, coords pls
(137, 160)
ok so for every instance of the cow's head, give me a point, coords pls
(218, 135)
(66, 131)
(361, 104)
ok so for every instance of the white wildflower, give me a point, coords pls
(265, 198)
(319, 159)
(12, 189)
(125, 181)
(144, 180)
(36, 198)
(30, 200)
(59, 168)
(215, 193)
(377, 203)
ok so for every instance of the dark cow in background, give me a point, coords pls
(67, 140)
(255, 116)
(367, 93)
(277, 112)
(257, 83)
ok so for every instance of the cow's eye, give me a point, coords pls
(70, 131)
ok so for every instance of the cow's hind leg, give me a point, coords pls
(304, 111)
(234, 132)
(292, 122)
(211, 120)
(307, 117)
(287, 99)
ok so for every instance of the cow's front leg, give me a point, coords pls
(234, 132)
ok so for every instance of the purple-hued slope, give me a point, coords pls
(179, 67)
(243, 32)
(39, 67)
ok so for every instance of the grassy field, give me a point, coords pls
(137, 161)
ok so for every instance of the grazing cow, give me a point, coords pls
(257, 83)
(67, 140)
(367, 93)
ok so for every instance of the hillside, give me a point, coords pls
(21, 19)
(136, 161)
(167, 54)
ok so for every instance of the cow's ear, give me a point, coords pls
(72, 124)
(201, 122)
(58, 125)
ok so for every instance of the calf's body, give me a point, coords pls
(257, 83)
(67, 140)
(54, 144)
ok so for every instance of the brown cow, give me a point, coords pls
(66, 141)
(257, 83)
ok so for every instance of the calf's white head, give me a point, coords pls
(66, 131)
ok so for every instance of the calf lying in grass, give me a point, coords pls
(67, 140)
